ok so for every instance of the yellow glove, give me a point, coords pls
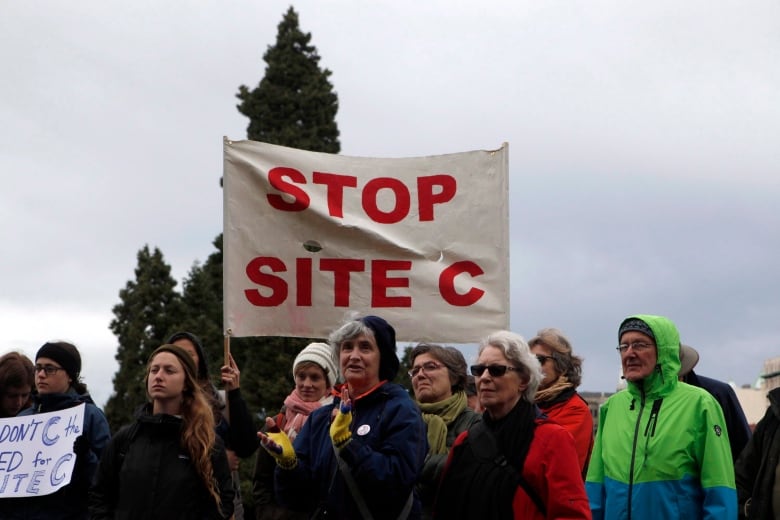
(278, 445)
(339, 428)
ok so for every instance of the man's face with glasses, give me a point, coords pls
(638, 355)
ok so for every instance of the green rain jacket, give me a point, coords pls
(662, 449)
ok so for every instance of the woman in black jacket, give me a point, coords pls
(232, 419)
(169, 463)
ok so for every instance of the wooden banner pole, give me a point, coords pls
(228, 333)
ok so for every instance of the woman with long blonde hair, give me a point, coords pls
(169, 463)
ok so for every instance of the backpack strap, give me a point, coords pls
(484, 445)
(346, 472)
(124, 443)
(590, 446)
(533, 495)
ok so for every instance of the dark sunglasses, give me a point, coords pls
(493, 370)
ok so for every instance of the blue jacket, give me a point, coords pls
(68, 502)
(386, 455)
(736, 422)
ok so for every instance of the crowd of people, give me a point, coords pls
(508, 437)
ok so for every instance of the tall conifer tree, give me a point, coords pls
(149, 308)
(294, 105)
(202, 298)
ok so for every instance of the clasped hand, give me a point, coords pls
(340, 428)
(278, 445)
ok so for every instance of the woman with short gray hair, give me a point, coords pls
(360, 456)
(535, 477)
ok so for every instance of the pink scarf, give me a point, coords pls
(297, 411)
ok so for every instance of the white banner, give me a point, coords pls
(422, 242)
(36, 452)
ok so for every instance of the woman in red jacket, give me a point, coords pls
(515, 463)
(557, 395)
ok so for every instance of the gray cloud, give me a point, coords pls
(642, 152)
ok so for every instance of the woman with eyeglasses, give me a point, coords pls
(515, 463)
(439, 378)
(59, 386)
(557, 395)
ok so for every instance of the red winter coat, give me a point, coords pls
(574, 415)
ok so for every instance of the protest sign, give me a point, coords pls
(36, 452)
(421, 241)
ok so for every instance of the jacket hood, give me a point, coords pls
(52, 402)
(667, 340)
(144, 415)
(162, 419)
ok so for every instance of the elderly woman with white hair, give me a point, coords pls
(515, 463)
(360, 456)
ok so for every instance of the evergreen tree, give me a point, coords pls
(202, 299)
(294, 105)
(265, 363)
(148, 309)
(403, 378)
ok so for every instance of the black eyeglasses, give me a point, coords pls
(636, 346)
(49, 370)
(493, 370)
(428, 366)
(542, 359)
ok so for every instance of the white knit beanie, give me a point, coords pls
(322, 354)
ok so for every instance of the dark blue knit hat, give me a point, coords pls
(384, 334)
(637, 325)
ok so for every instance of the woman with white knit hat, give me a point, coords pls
(315, 374)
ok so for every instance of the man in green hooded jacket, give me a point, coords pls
(662, 448)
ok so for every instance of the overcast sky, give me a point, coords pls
(643, 140)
